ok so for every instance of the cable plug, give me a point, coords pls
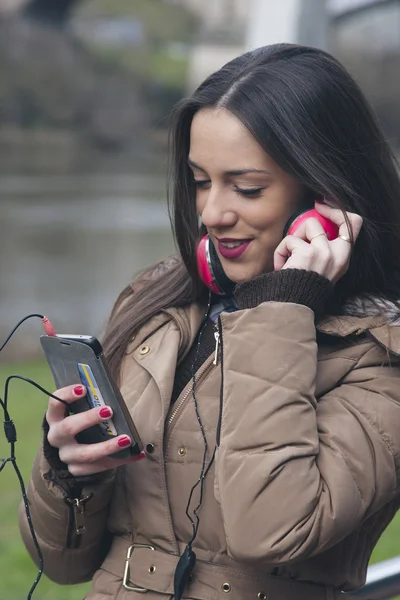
(10, 431)
(48, 327)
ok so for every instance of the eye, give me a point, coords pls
(249, 193)
(202, 184)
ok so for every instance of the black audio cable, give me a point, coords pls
(11, 436)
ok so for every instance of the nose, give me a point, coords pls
(216, 209)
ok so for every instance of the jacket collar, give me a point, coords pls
(189, 319)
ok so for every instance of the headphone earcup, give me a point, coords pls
(210, 268)
(298, 218)
(203, 264)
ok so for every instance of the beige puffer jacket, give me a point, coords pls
(306, 474)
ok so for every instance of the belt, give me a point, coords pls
(144, 568)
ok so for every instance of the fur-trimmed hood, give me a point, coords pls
(365, 307)
(378, 319)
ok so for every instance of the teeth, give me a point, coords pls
(232, 244)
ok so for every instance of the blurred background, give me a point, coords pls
(86, 87)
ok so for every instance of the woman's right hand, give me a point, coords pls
(82, 459)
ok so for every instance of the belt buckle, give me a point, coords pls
(125, 580)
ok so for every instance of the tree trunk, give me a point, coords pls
(54, 13)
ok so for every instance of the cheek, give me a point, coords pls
(270, 229)
(271, 223)
(273, 216)
(200, 202)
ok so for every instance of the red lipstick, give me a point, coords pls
(232, 252)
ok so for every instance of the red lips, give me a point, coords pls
(234, 252)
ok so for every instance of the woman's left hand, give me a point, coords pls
(309, 248)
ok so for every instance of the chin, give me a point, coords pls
(239, 273)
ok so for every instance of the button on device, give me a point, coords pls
(182, 451)
(226, 588)
(152, 569)
(144, 350)
(262, 596)
(150, 448)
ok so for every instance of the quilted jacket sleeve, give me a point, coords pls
(68, 558)
(294, 476)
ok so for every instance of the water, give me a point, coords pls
(70, 243)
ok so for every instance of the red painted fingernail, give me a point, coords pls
(105, 412)
(78, 390)
(124, 442)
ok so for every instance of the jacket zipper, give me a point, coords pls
(216, 337)
(221, 391)
(199, 378)
(76, 520)
(177, 407)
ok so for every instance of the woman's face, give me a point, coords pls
(243, 197)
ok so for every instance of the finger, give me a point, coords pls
(310, 232)
(342, 249)
(309, 228)
(321, 257)
(99, 466)
(71, 425)
(315, 233)
(336, 216)
(56, 410)
(286, 248)
(356, 223)
(89, 453)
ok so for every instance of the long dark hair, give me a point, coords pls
(310, 116)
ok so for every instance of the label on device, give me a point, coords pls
(94, 397)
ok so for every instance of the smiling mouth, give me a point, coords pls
(232, 249)
(230, 243)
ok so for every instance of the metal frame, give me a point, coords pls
(383, 581)
(125, 580)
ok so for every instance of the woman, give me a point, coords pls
(270, 414)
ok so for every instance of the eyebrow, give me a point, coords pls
(233, 173)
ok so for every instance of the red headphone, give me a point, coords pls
(209, 265)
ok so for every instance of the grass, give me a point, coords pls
(26, 406)
(17, 572)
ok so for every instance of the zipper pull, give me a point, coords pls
(78, 508)
(79, 516)
(216, 336)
